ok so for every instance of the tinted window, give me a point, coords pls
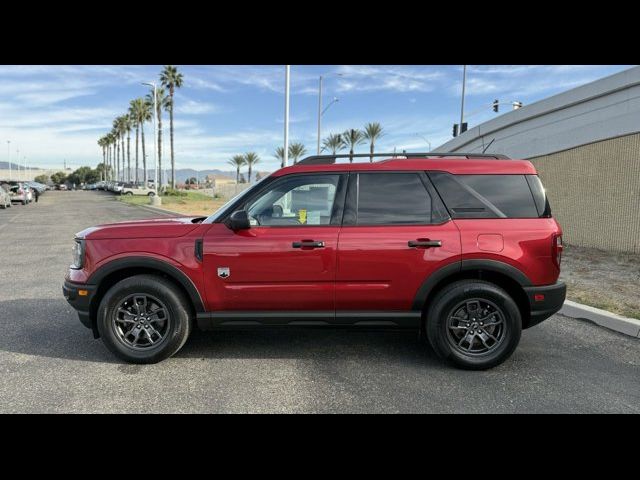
(539, 196)
(392, 199)
(486, 196)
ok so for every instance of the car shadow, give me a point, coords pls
(50, 328)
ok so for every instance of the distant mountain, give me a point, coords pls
(5, 166)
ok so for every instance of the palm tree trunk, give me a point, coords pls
(137, 148)
(117, 160)
(173, 160)
(371, 152)
(144, 156)
(351, 155)
(122, 146)
(249, 178)
(159, 114)
(128, 156)
(237, 175)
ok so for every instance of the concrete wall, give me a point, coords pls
(603, 109)
(586, 147)
(594, 192)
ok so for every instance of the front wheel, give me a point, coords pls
(474, 324)
(144, 319)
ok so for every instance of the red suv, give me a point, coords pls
(462, 248)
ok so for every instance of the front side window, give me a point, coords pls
(296, 201)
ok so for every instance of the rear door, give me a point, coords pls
(395, 233)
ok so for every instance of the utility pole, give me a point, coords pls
(287, 78)
(9, 157)
(464, 81)
(319, 113)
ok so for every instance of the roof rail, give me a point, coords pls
(331, 159)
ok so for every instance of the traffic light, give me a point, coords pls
(455, 129)
(464, 128)
(496, 103)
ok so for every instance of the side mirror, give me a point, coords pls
(238, 220)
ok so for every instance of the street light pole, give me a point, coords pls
(287, 78)
(425, 139)
(319, 112)
(464, 82)
(9, 157)
(155, 139)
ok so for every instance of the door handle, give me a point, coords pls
(425, 243)
(308, 244)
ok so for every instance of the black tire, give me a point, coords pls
(129, 193)
(158, 289)
(443, 324)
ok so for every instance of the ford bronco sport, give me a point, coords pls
(460, 247)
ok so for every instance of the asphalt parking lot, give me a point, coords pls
(50, 363)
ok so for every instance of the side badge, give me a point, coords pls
(223, 272)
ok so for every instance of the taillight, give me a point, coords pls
(556, 251)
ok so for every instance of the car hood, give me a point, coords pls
(155, 228)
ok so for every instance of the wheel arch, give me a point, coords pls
(113, 272)
(499, 273)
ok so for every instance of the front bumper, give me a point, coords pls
(79, 296)
(545, 301)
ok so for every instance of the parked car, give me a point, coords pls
(5, 197)
(462, 248)
(19, 192)
(133, 189)
(117, 187)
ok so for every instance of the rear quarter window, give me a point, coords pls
(486, 196)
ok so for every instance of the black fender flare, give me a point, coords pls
(152, 263)
(466, 265)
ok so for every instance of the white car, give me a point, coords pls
(132, 189)
(5, 197)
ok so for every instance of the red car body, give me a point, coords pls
(362, 276)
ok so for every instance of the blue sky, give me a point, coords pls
(57, 113)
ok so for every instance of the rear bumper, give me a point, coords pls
(545, 301)
(81, 303)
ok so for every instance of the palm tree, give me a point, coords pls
(122, 129)
(334, 143)
(171, 79)
(296, 150)
(141, 112)
(115, 133)
(162, 101)
(372, 132)
(127, 125)
(353, 138)
(279, 154)
(103, 145)
(237, 161)
(250, 159)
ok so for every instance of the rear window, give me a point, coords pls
(491, 196)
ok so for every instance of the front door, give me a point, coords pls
(286, 261)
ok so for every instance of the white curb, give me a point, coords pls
(628, 326)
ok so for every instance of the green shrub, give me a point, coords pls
(173, 192)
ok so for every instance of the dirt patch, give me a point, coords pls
(603, 279)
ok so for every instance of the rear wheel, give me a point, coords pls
(144, 319)
(474, 324)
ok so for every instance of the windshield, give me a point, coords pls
(223, 209)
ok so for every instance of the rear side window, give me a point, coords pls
(393, 199)
(486, 196)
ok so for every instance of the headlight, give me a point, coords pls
(78, 254)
